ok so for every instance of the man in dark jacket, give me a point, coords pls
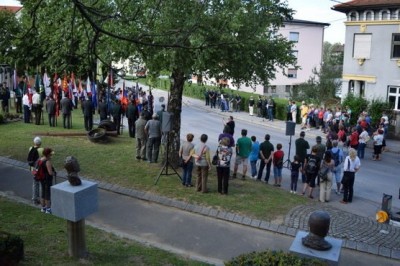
(116, 114)
(66, 108)
(87, 106)
(51, 110)
(102, 110)
(132, 115)
(266, 151)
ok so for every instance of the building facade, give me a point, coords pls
(371, 66)
(308, 38)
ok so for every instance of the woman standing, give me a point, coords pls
(351, 165)
(224, 153)
(253, 157)
(185, 152)
(203, 163)
(327, 166)
(277, 160)
(47, 182)
(362, 143)
(378, 142)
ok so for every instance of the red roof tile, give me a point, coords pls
(13, 9)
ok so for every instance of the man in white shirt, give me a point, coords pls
(36, 106)
(27, 108)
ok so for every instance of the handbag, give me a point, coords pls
(215, 158)
(323, 175)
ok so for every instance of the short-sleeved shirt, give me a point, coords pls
(301, 148)
(266, 148)
(244, 144)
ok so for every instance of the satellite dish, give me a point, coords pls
(161, 99)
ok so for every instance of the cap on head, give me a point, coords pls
(37, 140)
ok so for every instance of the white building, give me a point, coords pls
(371, 67)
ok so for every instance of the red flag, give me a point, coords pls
(65, 84)
(55, 94)
(124, 98)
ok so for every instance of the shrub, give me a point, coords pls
(272, 258)
(376, 108)
(356, 105)
(11, 249)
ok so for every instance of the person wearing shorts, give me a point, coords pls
(243, 149)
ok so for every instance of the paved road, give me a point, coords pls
(192, 231)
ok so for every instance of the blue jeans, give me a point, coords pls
(277, 172)
(271, 114)
(361, 150)
(187, 173)
(253, 165)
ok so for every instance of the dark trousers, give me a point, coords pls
(131, 126)
(18, 105)
(27, 114)
(260, 170)
(223, 179)
(38, 114)
(348, 184)
(153, 147)
(117, 122)
(52, 120)
(67, 120)
(88, 120)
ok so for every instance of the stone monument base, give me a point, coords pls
(331, 256)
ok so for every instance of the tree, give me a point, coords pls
(8, 32)
(325, 83)
(234, 39)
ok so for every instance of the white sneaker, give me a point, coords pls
(291, 191)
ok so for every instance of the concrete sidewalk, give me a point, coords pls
(208, 234)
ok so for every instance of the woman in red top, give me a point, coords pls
(353, 138)
(277, 160)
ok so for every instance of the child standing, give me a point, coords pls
(294, 174)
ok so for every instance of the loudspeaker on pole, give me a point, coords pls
(290, 128)
(167, 119)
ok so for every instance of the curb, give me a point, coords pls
(392, 253)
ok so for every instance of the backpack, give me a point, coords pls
(335, 157)
(311, 167)
(33, 156)
(39, 171)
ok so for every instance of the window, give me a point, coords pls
(265, 89)
(292, 73)
(273, 89)
(362, 46)
(294, 36)
(287, 88)
(396, 45)
(394, 97)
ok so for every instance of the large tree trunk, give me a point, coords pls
(175, 107)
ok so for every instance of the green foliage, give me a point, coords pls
(356, 105)
(10, 27)
(272, 258)
(11, 249)
(377, 107)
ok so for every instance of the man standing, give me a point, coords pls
(303, 114)
(141, 137)
(289, 111)
(132, 115)
(37, 142)
(321, 148)
(251, 106)
(116, 114)
(88, 113)
(238, 102)
(37, 106)
(66, 108)
(102, 109)
(301, 151)
(153, 131)
(51, 111)
(270, 108)
(266, 151)
(27, 108)
(293, 110)
(243, 149)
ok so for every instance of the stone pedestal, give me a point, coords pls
(74, 203)
(331, 256)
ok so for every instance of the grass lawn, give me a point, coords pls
(45, 241)
(115, 162)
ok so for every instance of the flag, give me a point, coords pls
(38, 81)
(124, 97)
(110, 79)
(70, 92)
(65, 84)
(15, 84)
(88, 87)
(80, 86)
(94, 95)
(55, 93)
(46, 82)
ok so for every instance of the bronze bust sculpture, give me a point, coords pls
(318, 222)
(72, 166)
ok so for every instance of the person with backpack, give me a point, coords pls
(311, 168)
(325, 176)
(34, 154)
(337, 157)
(47, 180)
